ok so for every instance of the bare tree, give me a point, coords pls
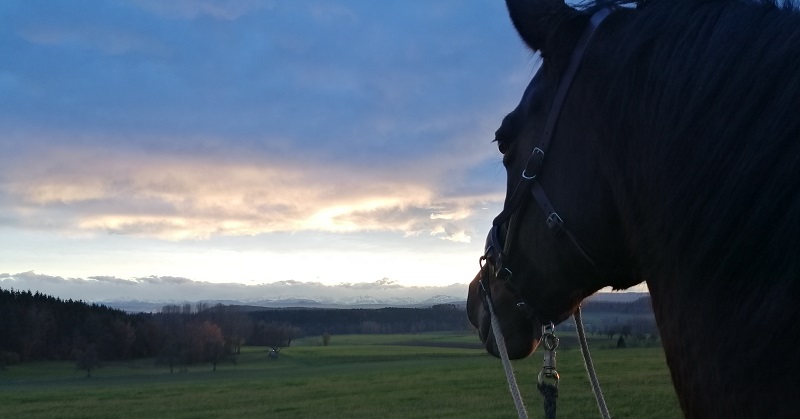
(275, 335)
(87, 359)
(171, 354)
(236, 326)
(205, 343)
(171, 309)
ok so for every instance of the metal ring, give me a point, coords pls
(550, 341)
(551, 374)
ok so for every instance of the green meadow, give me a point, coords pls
(369, 376)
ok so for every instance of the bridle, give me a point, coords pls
(497, 248)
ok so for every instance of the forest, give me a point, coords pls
(35, 326)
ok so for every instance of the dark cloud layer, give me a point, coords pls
(349, 80)
(172, 289)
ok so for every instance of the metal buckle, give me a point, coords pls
(534, 164)
(504, 274)
(554, 221)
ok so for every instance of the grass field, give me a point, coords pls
(369, 376)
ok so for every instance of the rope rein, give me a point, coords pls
(587, 361)
(501, 347)
(549, 391)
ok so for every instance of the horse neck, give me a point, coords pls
(727, 362)
(708, 188)
(721, 264)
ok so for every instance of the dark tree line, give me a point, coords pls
(628, 321)
(315, 322)
(34, 326)
(639, 306)
(38, 327)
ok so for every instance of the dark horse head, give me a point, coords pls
(661, 144)
(547, 273)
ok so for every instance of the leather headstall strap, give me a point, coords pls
(528, 182)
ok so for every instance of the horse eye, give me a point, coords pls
(506, 131)
(502, 146)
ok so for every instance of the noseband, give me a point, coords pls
(497, 247)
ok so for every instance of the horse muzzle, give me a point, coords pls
(518, 331)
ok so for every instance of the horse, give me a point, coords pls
(659, 144)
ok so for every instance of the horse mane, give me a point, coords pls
(699, 123)
(704, 97)
(593, 5)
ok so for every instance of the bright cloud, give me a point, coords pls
(183, 197)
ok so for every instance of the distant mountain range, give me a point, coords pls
(618, 297)
(136, 306)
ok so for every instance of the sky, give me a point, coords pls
(194, 149)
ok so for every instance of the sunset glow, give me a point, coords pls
(250, 143)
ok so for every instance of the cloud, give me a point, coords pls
(364, 90)
(32, 278)
(381, 284)
(164, 280)
(109, 40)
(459, 214)
(329, 12)
(112, 280)
(459, 236)
(176, 289)
(192, 9)
(196, 197)
(135, 133)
